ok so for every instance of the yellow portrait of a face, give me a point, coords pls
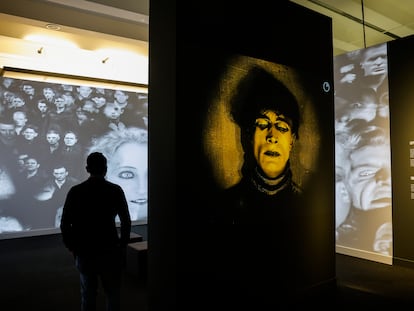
(222, 136)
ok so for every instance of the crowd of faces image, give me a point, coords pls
(362, 149)
(46, 132)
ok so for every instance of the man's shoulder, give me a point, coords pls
(111, 186)
(98, 181)
(72, 181)
(78, 185)
(102, 186)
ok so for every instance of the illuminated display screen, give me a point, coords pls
(363, 156)
(46, 131)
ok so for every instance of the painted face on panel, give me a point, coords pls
(272, 142)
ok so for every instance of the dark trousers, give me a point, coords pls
(105, 267)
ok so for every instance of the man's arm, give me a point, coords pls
(124, 217)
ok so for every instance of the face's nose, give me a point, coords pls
(383, 175)
(271, 136)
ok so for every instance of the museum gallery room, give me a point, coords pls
(306, 203)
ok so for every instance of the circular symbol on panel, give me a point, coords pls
(326, 87)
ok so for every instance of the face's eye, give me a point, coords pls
(366, 172)
(280, 125)
(339, 177)
(263, 124)
(126, 175)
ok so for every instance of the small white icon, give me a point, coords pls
(326, 87)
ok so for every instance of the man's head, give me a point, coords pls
(374, 60)
(30, 132)
(370, 172)
(42, 105)
(53, 136)
(96, 164)
(268, 116)
(60, 173)
(31, 164)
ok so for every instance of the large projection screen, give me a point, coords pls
(363, 155)
(48, 125)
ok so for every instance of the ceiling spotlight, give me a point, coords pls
(53, 27)
(40, 50)
(105, 60)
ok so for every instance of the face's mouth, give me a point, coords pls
(272, 153)
(378, 69)
(379, 203)
(140, 201)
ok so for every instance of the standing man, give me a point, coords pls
(90, 233)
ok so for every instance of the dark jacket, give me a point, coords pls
(88, 219)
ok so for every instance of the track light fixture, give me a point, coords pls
(40, 50)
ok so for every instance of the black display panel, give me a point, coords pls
(401, 81)
(295, 244)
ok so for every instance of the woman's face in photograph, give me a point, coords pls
(128, 168)
(272, 143)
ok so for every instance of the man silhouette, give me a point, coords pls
(89, 231)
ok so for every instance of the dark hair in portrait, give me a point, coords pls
(259, 91)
